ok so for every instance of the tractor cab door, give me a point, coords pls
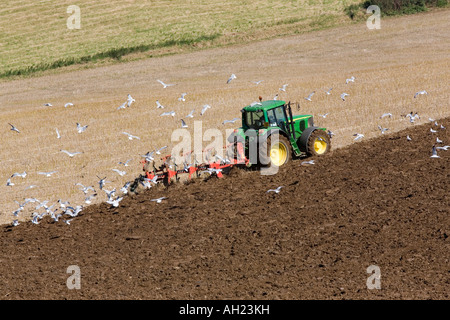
(277, 118)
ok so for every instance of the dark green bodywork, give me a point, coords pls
(268, 116)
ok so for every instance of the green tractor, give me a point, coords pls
(271, 135)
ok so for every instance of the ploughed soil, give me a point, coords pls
(381, 202)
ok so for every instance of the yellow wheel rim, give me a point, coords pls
(278, 154)
(320, 145)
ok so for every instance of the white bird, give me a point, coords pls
(323, 115)
(255, 103)
(308, 162)
(310, 96)
(159, 200)
(125, 187)
(115, 202)
(17, 174)
(283, 87)
(383, 130)
(85, 189)
(329, 91)
(434, 153)
(15, 223)
(160, 149)
(257, 82)
(68, 104)
(420, 92)
(408, 138)
(182, 98)
(230, 121)
(443, 148)
(148, 156)
(275, 97)
(277, 190)
(386, 115)
(125, 163)
(121, 173)
(330, 133)
(183, 124)
(88, 199)
(171, 113)
(47, 174)
(58, 136)
(63, 204)
(352, 79)
(101, 182)
(412, 117)
(358, 136)
(122, 106)
(130, 136)
(343, 96)
(9, 183)
(233, 76)
(30, 187)
(191, 114)
(159, 105)
(70, 154)
(204, 108)
(35, 220)
(433, 131)
(13, 128)
(130, 100)
(164, 84)
(48, 105)
(68, 221)
(442, 127)
(110, 193)
(213, 170)
(81, 128)
(438, 140)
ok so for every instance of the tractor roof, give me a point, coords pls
(264, 105)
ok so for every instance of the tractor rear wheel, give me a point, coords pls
(278, 153)
(318, 143)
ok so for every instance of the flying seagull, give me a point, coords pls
(352, 79)
(191, 114)
(358, 136)
(329, 91)
(47, 174)
(443, 148)
(343, 96)
(383, 130)
(125, 163)
(159, 105)
(182, 98)
(183, 124)
(58, 136)
(81, 128)
(68, 104)
(70, 154)
(230, 121)
(434, 153)
(130, 100)
(386, 115)
(130, 136)
(205, 107)
(277, 190)
(307, 162)
(115, 202)
(159, 150)
(324, 115)
(17, 174)
(283, 87)
(233, 76)
(310, 95)
(258, 82)
(164, 84)
(171, 113)
(13, 128)
(121, 173)
(159, 200)
(420, 92)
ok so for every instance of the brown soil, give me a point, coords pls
(380, 202)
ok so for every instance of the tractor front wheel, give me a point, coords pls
(318, 143)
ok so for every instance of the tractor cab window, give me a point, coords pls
(254, 119)
(276, 117)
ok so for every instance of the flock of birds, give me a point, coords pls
(64, 211)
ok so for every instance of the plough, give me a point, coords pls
(166, 172)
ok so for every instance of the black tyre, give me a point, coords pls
(318, 143)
